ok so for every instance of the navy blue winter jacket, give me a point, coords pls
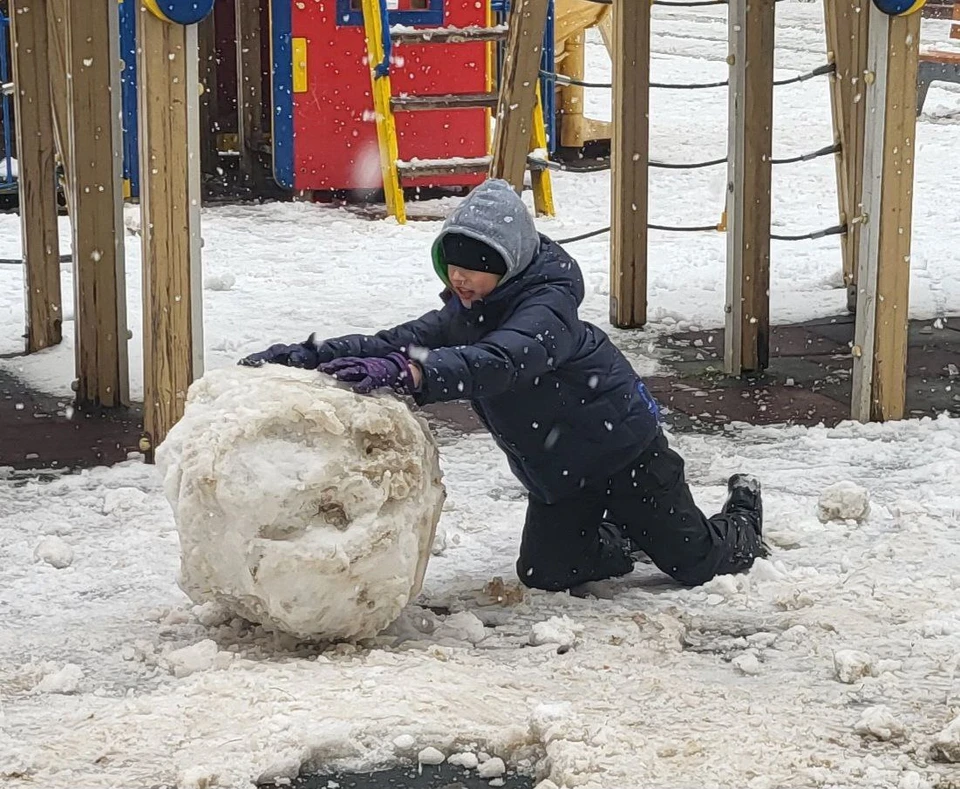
(558, 396)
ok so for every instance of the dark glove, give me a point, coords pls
(365, 375)
(305, 354)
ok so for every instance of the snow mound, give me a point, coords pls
(843, 501)
(301, 505)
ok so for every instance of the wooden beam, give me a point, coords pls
(847, 30)
(747, 335)
(57, 49)
(36, 155)
(629, 162)
(169, 122)
(95, 156)
(249, 85)
(518, 91)
(880, 338)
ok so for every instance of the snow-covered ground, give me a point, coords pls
(748, 681)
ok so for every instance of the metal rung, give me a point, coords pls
(446, 35)
(449, 101)
(431, 167)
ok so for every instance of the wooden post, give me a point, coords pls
(249, 81)
(57, 60)
(630, 148)
(37, 179)
(572, 19)
(518, 91)
(847, 30)
(209, 98)
(169, 122)
(95, 156)
(747, 335)
(880, 343)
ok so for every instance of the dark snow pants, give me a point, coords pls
(588, 537)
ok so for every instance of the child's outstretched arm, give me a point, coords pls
(541, 334)
(427, 331)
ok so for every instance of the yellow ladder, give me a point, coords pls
(393, 169)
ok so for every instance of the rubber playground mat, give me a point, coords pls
(809, 380)
(444, 776)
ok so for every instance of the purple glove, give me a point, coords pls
(365, 375)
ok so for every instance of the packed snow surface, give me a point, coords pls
(299, 504)
(735, 684)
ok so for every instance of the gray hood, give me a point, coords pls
(494, 214)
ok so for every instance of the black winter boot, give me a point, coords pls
(744, 496)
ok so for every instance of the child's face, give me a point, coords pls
(471, 286)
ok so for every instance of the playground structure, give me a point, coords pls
(873, 66)
(258, 55)
(78, 122)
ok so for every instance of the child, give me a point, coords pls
(577, 425)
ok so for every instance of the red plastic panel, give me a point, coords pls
(335, 137)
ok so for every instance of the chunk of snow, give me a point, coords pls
(912, 780)
(880, 723)
(747, 663)
(54, 552)
(301, 505)
(843, 501)
(851, 665)
(64, 680)
(197, 778)
(219, 282)
(430, 755)
(559, 630)
(946, 745)
(492, 768)
(546, 783)
(122, 499)
(466, 760)
(211, 614)
(404, 742)
(462, 626)
(189, 660)
(282, 771)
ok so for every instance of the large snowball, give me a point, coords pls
(301, 505)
